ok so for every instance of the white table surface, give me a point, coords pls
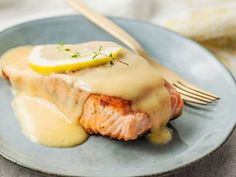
(221, 163)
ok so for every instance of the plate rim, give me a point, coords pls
(37, 171)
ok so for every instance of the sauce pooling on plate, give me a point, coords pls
(43, 123)
(138, 82)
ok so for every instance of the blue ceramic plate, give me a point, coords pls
(198, 132)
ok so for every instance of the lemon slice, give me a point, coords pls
(47, 65)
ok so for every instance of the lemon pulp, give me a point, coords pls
(60, 61)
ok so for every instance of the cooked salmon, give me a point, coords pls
(113, 117)
(101, 114)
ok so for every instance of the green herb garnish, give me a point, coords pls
(74, 56)
(113, 59)
(61, 46)
(111, 62)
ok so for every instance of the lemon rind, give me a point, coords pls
(62, 68)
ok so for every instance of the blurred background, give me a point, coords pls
(210, 22)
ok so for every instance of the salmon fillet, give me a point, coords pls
(113, 117)
(101, 114)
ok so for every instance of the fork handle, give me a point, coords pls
(117, 32)
(110, 27)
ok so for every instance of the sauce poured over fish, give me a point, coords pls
(120, 101)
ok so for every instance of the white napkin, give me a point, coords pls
(211, 22)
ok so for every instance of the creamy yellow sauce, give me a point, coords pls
(138, 81)
(16, 59)
(43, 123)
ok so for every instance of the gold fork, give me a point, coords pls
(188, 91)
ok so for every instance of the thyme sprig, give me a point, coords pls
(61, 46)
(110, 56)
